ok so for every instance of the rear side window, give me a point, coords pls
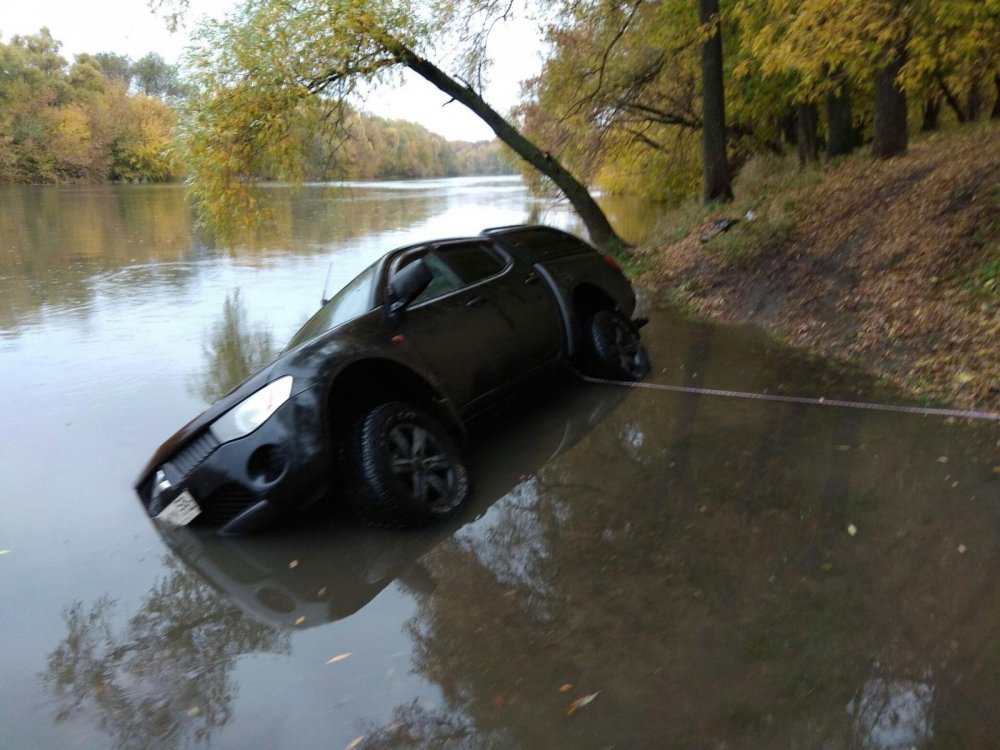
(547, 244)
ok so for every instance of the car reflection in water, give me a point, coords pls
(306, 574)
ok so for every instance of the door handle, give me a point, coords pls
(476, 302)
(531, 278)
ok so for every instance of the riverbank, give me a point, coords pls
(891, 265)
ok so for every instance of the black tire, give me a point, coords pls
(410, 470)
(616, 351)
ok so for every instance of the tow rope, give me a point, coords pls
(804, 400)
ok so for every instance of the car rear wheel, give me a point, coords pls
(617, 351)
(410, 469)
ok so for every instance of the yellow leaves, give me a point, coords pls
(300, 619)
(581, 702)
(565, 688)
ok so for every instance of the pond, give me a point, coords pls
(635, 569)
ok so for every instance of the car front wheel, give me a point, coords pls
(410, 469)
(616, 349)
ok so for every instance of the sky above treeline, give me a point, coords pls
(129, 27)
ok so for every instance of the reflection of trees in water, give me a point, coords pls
(234, 349)
(702, 579)
(164, 679)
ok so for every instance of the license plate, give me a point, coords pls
(182, 511)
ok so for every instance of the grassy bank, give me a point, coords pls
(894, 265)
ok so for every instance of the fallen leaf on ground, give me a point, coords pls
(852, 529)
(565, 688)
(293, 564)
(581, 702)
(943, 460)
(355, 742)
(961, 549)
(339, 657)
(996, 470)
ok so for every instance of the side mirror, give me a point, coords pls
(407, 284)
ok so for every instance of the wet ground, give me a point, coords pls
(636, 569)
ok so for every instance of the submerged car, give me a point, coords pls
(370, 400)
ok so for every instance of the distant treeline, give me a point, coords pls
(105, 117)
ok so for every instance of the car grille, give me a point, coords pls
(191, 455)
(224, 504)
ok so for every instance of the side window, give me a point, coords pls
(455, 266)
(472, 262)
(444, 280)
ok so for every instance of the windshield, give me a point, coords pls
(353, 300)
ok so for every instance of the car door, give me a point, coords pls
(457, 327)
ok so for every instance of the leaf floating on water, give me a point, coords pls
(7, 551)
(321, 592)
(852, 529)
(826, 567)
(193, 711)
(581, 702)
(293, 564)
(961, 549)
(996, 470)
(943, 460)
(565, 688)
(355, 742)
(339, 657)
(300, 619)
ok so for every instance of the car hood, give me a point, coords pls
(172, 444)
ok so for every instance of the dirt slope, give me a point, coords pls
(894, 265)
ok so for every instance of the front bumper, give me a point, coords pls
(284, 465)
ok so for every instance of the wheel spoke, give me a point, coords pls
(399, 438)
(419, 487)
(436, 462)
(419, 442)
(402, 465)
(438, 483)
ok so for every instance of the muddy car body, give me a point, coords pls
(371, 397)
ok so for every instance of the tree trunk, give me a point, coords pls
(598, 226)
(974, 100)
(891, 137)
(716, 179)
(995, 114)
(932, 113)
(807, 127)
(840, 136)
(952, 100)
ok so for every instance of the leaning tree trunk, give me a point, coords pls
(807, 127)
(891, 137)
(932, 115)
(840, 136)
(598, 226)
(974, 100)
(716, 179)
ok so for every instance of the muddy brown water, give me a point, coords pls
(635, 570)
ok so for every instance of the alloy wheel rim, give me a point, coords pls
(421, 464)
(628, 348)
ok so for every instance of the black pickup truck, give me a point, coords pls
(370, 399)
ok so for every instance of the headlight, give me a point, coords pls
(253, 411)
